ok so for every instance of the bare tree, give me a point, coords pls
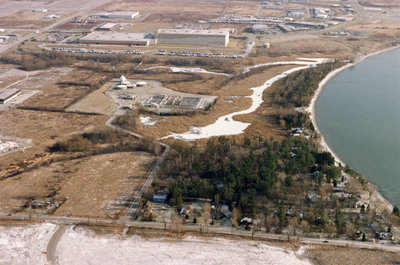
(206, 214)
(176, 223)
(350, 229)
(305, 226)
(235, 217)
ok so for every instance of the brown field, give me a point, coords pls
(43, 128)
(25, 20)
(267, 12)
(96, 186)
(95, 102)
(78, 26)
(69, 89)
(350, 256)
(177, 18)
(29, 80)
(185, 6)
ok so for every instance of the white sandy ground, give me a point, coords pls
(226, 125)
(84, 247)
(25, 244)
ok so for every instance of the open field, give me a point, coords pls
(68, 89)
(96, 186)
(27, 80)
(345, 256)
(177, 18)
(168, 6)
(43, 128)
(95, 102)
(25, 20)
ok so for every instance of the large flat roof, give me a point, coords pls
(117, 36)
(108, 25)
(117, 13)
(7, 93)
(194, 31)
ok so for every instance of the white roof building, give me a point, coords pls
(40, 10)
(116, 38)
(118, 15)
(212, 37)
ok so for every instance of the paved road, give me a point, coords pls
(51, 250)
(210, 231)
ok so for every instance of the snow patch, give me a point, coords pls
(81, 246)
(25, 244)
(147, 120)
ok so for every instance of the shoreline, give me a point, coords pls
(310, 109)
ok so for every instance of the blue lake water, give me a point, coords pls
(358, 112)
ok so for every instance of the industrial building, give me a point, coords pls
(117, 38)
(109, 26)
(8, 94)
(213, 37)
(117, 15)
(40, 10)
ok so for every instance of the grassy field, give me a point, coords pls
(95, 102)
(96, 186)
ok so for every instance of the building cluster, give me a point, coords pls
(270, 25)
(8, 94)
(7, 146)
(124, 83)
(154, 97)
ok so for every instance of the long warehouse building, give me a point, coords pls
(8, 94)
(212, 37)
(116, 38)
(117, 15)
